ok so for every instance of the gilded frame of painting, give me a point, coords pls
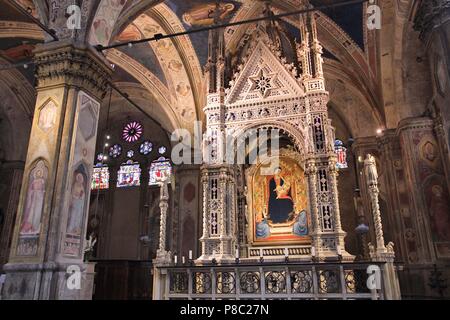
(300, 200)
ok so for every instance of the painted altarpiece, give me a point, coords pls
(277, 204)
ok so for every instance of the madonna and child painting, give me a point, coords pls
(279, 204)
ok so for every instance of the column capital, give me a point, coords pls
(73, 64)
(310, 168)
(431, 14)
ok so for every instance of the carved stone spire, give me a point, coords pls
(316, 49)
(215, 67)
(304, 50)
(270, 27)
(309, 53)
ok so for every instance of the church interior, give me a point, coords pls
(114, 117)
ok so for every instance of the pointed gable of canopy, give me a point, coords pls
(263, 75)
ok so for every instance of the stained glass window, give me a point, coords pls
(341, 153)
(132, 131)
(162, 150)
(115, 150)
(146, 147)
(159, 169)
(100, 177)
(100, 157)
(129, 175)
(130, 153)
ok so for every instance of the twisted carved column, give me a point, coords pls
(311, 173)
(374, 192)
(333, 179)
(205, 203)
(372, 181)
(163, 205)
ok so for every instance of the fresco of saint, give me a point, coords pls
(262, 226)
(202, 14)
(281, 205)
(301, 224)
(34, 201)
(77, 201)
(439, 211)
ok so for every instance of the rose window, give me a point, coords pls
(132, 131)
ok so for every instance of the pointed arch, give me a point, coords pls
(294, 133)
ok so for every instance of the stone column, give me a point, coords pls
(382, 253)
(371, 173)
(340, 234)
(205, 219)
(163, 257)
(432, 20)
(219, 212)
(311, 175)
(321, 169)
(46, 259)
(162, 254)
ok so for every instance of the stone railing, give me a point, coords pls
(287, 280)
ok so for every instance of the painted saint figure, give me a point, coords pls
(280, 205)
(76, 205)
(34, 201)
(301, 224)
(203, 14)
(262, 227)
(439, 210)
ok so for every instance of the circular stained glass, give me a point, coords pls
(100, 157)
(162, 150)
(115, 150)
(132, 131)
(146, 147)
(130, 153)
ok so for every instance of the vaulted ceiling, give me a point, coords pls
(171, 69)
(341, 31)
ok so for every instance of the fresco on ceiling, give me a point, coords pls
(144, 54)
(349, 18)
(131, 33)
(29, 6)
(103, 24)
(196, 14)
(16, 50)
(203, 14)
(121, 75)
